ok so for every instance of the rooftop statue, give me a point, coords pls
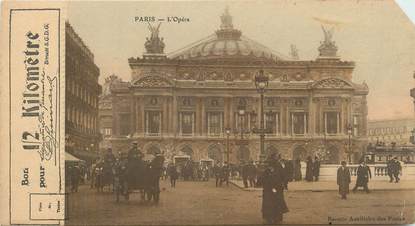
(328, 47)
(226, 20)
(154, 44)
(294, 52)
(328, 35)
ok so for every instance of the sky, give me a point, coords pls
(376, 34)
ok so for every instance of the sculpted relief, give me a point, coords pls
(332, 83)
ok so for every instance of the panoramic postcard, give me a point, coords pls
(207, 113)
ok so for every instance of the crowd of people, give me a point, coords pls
(364, 175)
(273, 176)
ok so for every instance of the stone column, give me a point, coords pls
(174, 115)
(283, 117)
(198, 115)
(133, 128)
(344, 115)
(203, 129)
(231, 109)
(226, 115)
(171, 119)
(115, 129)
(140, 115)
(288, 128)
(311, 116)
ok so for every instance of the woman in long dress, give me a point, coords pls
(309, 169)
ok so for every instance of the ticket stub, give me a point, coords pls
(36, 121)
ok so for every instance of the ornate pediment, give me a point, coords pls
(332, 83)
(152, 81)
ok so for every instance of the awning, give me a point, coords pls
(71, 158)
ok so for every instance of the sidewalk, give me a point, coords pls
(332, 186)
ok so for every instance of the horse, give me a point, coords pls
(135, 174)
(103, 176)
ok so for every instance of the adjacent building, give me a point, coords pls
(412, 93)
(183, 103)
(392, 131)
(81, 98)
(105, 112)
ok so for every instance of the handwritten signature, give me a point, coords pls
(46, 120)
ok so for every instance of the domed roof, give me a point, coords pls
(227, 42)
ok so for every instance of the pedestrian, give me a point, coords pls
(225, 171)
(290, 170)
(134, 152)
(309, 169)
(396, 169)
(343, 180)
(252, 173)
(297, 170)
(389, 168)
(217, 172)
(173, 174)
(316, 168)
(245, 173)
(93, 174)
(273, 203)
(285, 171)
(363, 176)
(75, 176)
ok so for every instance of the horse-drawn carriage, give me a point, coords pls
(133, 173)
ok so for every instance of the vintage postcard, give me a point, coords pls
(286, 112)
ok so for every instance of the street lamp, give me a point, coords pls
(228, 133)
(261, 83)
(241, 114)
(412, 138)
(349, 151)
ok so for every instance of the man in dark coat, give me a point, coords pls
(343, 180)
(109, 157)
(225, 174)
(309, 169)
(217, 172)
(389, 167)
(245, 173)
(363, 176)
(273, 203)
(297, 170)
(290, 169)
(173, 174)
(316, 168)
(136, 167)
(252, 173)
(396, 169)
(75, 176)
(285, 171)
(134, 152)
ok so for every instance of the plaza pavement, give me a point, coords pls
(332, 186)
(202, 203)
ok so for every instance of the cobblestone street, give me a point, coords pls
(203, 203)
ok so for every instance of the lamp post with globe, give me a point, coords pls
(261, 84)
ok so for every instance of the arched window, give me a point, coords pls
(153, 150)
(215, 153)
(243, 154)
(272, 150)
(187, 151)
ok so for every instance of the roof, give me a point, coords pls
(71, 158)
(227, 42)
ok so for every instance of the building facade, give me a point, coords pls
(81, 98)
(393, 131)
(105, 113)
(183, 103)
